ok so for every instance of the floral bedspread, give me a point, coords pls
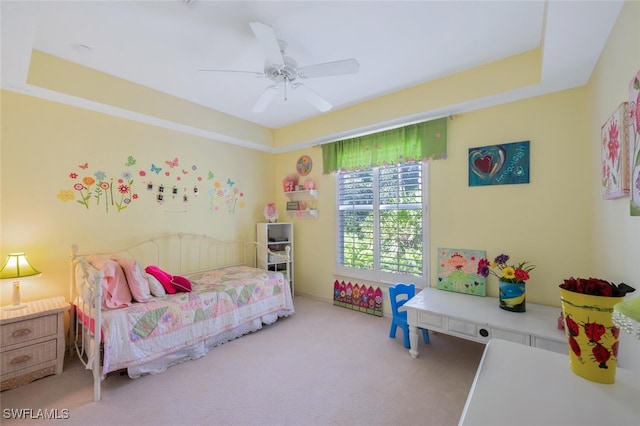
(221, 300)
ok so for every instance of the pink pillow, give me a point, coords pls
(115, 290)
(162, 276)
(181, 283)
(138, 284)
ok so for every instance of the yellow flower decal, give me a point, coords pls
(65, 195)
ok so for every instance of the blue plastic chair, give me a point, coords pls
(399, 294)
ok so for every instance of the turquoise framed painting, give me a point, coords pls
(501, 164)
(458, 271)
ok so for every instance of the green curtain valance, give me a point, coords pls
(421, 141)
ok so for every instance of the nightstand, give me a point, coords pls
(32, 341)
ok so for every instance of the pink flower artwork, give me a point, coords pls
(634, 143)
(615, 147)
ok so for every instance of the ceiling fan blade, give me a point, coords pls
(257, 74)
(267, 38)
(345, 66)
(312, 97)
(264, 99)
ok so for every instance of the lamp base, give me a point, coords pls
(13, 307)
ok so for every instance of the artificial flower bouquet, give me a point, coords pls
(514, 273)
(596, 287)
(592, 335)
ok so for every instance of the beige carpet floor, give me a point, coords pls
(325, 365)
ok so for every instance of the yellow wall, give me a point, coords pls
(559, 221)
(496, 77)
(43, 142)
(62, 76)
(615, 235)
(542, 222)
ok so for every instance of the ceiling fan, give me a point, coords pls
(284, 72)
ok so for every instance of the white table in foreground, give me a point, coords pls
(522, 385)
(480, 319)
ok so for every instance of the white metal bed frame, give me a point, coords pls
(195, 253)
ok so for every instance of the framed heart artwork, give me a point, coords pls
(502, 164)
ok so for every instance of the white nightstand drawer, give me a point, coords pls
(32, 341)
(28, 356)
(24, 331)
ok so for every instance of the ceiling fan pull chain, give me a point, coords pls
(286, 84)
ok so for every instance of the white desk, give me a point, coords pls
(520, 385)
(480, 319)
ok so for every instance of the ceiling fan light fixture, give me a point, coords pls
(283, 71)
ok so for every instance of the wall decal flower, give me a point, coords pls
(100, 189)
(226, 195)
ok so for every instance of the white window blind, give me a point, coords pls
(380, 229)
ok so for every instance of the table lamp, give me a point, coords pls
(17, 266)
(625, 314)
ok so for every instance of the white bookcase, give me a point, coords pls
(277, 237)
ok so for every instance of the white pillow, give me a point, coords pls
(155, 286)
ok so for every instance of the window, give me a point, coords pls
(380, 228)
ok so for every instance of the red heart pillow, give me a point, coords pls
(163, 277)
(181, 283)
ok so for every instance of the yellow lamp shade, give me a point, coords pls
(17, 266)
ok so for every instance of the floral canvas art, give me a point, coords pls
(458, 271)
(614, 146)
(634, 143)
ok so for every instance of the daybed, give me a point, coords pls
(217, 298)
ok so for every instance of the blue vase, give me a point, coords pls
(512, 296)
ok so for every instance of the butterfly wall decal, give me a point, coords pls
(173, 163)
(155, 169)
(130, 161)
(210, 176)
(84, 166)
(230, 182)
